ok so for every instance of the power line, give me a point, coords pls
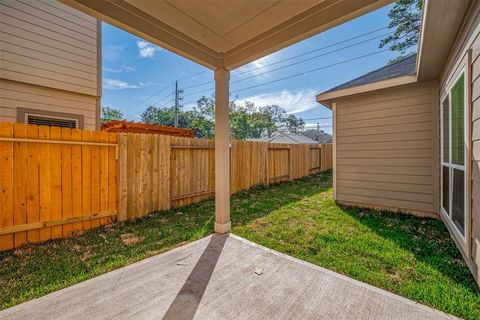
(295, 75)
(299, 74)
(323, 118)
(303, 54)
(322, 48)
(134, 108)
(166, 103)
(304, 60)
(156, 93)
(193, 75)
(310, 71)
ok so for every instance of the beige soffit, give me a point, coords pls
(327, 98)
(225, 34)
(440, 24)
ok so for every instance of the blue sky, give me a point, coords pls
(134, 70)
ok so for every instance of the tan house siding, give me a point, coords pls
(49, 59)
(386, 149)
(14, 95)
(465, 55)
(31, 59)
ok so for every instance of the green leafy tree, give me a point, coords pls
(273, 116)
(165, 117)
(294, 124)
(246, 120)
(405, 19)
(109, 113)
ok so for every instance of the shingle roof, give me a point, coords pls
(318, 136)
(287, 138)
(404, 67)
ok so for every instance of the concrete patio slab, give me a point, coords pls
(222, 277)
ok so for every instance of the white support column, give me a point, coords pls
(222, 152)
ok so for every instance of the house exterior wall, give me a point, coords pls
(50, 58)
(386, 149)
(465, 57)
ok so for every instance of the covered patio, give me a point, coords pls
(222, 277)
(222, 36)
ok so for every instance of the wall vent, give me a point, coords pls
(51, 121)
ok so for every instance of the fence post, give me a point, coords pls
(290, 164)
(267, 162)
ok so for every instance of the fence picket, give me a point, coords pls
(56, 180)
(77, 179)
(6, 185)
(86, 178)
(33, 212)
(45, 182)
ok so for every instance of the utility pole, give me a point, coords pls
(178, 98)
(176, 103)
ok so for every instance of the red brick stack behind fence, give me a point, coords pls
(55, 181)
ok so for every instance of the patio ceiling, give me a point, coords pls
(225, 34)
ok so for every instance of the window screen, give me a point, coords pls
(445, 131)
(458, 122)
(458, 202)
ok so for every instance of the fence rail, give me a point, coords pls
(55, 181)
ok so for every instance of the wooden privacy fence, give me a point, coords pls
(54, 181)
(160, 172)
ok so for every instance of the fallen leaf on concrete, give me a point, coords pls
(259, 271)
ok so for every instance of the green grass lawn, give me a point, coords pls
(410, 256)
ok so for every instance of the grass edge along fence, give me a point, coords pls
(158, 172)
(56, 181)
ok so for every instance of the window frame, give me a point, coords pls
(447, 94)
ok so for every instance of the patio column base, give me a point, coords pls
(223, 227)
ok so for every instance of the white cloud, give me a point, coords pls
(120, 69)
(113, 53)
(149, 84)
(147, 49)
(254, 68)
(116, 84)
(292, 102)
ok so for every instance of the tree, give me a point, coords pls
(246, 120)
(405, 18)
(109, 113)
(272, 119)
(294, 124)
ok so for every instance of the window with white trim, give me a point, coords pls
(453, 193)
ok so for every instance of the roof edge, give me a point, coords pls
(326, 98)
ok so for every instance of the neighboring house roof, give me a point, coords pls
(403, 67)
(290, 138)
(318, 136)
